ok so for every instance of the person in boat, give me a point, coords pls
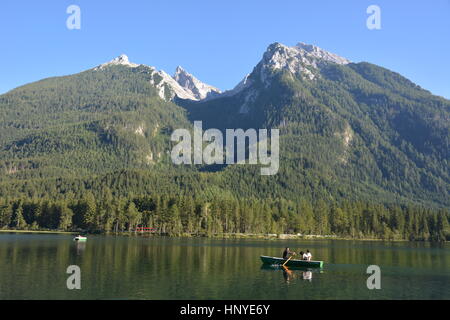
(308, 255)
(287, 252)
(302, 255)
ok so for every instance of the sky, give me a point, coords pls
(220, 41)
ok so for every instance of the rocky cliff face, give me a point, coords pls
(182, 85)
(197, 89)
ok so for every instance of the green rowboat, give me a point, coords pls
(291, 263)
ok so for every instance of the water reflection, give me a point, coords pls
(307, 275)
(80, 247)
(290, 274)
(197, 268)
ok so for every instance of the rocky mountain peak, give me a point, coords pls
(195, 87)
(120, 60)
(318, 53)
(301, 59)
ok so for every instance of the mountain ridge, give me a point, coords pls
(198, 89)
(182, 84)
(349, 130)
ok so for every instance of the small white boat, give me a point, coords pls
(80, 238)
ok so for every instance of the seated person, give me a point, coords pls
(308, 255)
(287, 253)
(302, 255)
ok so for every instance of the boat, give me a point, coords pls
(80, 238)
(291, 263)
(277, 267)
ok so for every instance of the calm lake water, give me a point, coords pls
(33, 266)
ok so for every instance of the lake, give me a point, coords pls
(33, 266)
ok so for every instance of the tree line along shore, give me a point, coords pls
(187, 216)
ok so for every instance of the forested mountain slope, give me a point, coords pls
(352, 129)
(364, 152)
(90, 123)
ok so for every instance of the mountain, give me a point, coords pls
(108, 118)
(364, 152)
(348, 130)
(120, 60)
(356, 129)
(182, 85)
(195, 87)
(303, 59)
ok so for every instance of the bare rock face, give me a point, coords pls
(120, 60)
(301, 59)
(168, 88)
(192, 85)
(183, 85)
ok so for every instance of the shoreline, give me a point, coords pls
(269, 237)
(305, 237)
(37, 231)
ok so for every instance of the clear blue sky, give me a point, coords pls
(220, 41)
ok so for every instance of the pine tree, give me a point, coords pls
(18, 221)
(65, 218)
(90, 212)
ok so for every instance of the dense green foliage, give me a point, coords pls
(357, 131)
(363, 153)
(92, 122)
(184, 215)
